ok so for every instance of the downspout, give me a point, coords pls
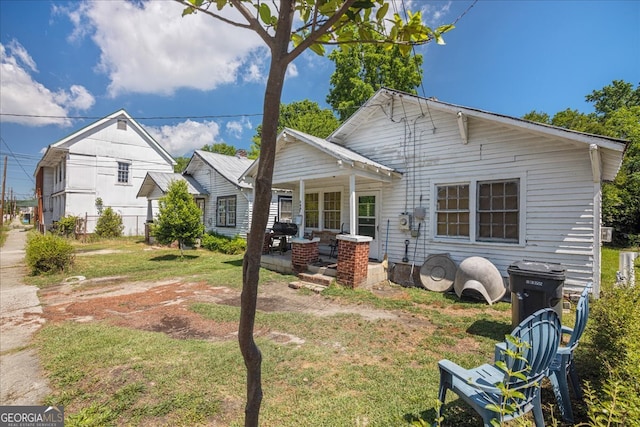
(596, 169)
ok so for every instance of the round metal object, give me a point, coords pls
(438, 273)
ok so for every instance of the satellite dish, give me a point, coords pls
(438, 273)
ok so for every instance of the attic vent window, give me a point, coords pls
(122, 124)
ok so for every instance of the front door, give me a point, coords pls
(368, 220)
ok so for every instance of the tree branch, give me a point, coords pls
(253, 22)
(323, 29)
(212, 14)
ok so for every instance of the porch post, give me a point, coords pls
(149, 211)
(301, 225)
(353, 228)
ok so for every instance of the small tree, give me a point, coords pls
(109, 224)
(178, 218)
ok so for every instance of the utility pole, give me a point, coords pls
(4, 180)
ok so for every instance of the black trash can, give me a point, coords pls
(535, 285)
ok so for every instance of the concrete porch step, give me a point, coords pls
(327, 270)
(315, 287)
(317, 278)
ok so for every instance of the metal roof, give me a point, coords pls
(162, 180)
(230, 167)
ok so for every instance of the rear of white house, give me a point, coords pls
(442, 178)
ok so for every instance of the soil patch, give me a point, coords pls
(164, 307)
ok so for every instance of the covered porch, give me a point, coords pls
(336, 192)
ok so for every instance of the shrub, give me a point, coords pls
(226, 245)
(615, 338)
(48, 253)
(65, 226)
(109, 224)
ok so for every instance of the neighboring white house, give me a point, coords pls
(449, 179)
(226, 202)
(108, 160)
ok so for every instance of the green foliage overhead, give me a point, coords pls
(109, 224)
(181, 164)
(220, 148)
(178, 218)
(617, 115)
(305, 116)
(48, 253)
(363, 69)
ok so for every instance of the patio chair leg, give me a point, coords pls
(561, 391)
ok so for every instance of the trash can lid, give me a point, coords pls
(537, 267)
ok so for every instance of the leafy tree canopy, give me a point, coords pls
(220, 148)
(181, 164)
(305, 116)
(363, 69)
(178, 218)
(617, 115)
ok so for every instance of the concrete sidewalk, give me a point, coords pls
(21, 378)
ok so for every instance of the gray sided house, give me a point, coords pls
(447, 179)
(107, 159)
(226, 202)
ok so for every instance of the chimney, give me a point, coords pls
(241, 153)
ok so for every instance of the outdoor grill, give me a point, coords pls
(280, 231)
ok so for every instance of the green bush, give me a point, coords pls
(226, 245)
(48, 253)
(65, 226)
(109, 224)
(615, 338)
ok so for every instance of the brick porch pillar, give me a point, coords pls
(353, 260)
(303, 253)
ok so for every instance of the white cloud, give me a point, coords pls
(30, 102)
(149, 47)
(236, 127)
(186, 136)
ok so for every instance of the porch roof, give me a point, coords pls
(162, 180)
(344, 157)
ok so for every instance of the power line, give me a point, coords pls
(220, 116)
(17, 161)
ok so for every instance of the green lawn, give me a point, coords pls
(343, 370)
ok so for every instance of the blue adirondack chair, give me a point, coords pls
(562, 369)
(478, 386)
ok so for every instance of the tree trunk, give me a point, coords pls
(262, 185)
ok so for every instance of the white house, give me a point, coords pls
(442, 178)
(108, 160)
(226, 202)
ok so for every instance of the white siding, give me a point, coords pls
(555, 177)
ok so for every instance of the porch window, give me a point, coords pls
(123, 173)
(226, 215)
(498, 211)
(311, 210)
(331, 210)
(452, 210)
(285, 209)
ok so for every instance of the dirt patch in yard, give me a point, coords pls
(164, 307)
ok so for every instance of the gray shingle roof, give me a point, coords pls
(162, 180)
(230, 167)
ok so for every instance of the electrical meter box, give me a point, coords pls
(404, 222)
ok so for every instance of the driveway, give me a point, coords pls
(23, 382)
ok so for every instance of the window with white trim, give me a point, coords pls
(123, 172)
(311, 210)
(498, 211)
(452, 210)
(226, 211)
(285, 208)
(478, 211)
(331, 210)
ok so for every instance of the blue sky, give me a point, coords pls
(194, 81)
